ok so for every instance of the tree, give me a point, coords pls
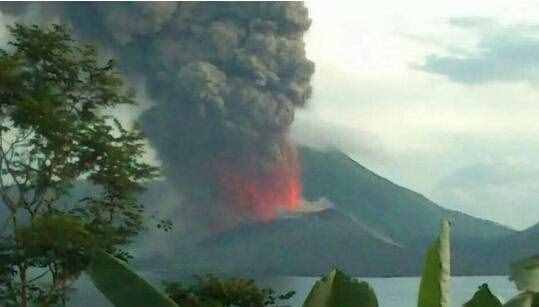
(56, 132)
(211, 291)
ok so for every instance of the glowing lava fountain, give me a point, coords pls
(263, 195)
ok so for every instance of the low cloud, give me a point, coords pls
(500, 190)
(504, 53)
(318, 133)
(499, 173)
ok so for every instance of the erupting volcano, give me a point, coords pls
(224, 81)
(260, 194)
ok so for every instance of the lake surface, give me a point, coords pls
(402, 291)
(391, 292)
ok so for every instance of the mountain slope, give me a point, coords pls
(310, 244)
(376, 228)
(512, 248)
(403, 215)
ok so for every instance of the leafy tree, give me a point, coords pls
(211, 291)
(483, 298)
(55, 132)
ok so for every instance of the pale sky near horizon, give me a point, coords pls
(441, 97)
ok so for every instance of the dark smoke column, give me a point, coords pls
(226, 79)
(236, 71)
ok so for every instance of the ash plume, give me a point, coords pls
(225, 79)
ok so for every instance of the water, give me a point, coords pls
(391, 292)
(402, 291)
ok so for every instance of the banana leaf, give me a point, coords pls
(339, 290)
(122, 286)
(434, 286)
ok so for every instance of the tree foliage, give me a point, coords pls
(211, 291)
(55, 132)
(483, 298)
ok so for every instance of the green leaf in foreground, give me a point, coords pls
(339, 290)
(434, 286)
(525, 274)
(483, 298)
(122, 286)
(524, 299)
(535, 300)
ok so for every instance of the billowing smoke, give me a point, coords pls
(225, 79)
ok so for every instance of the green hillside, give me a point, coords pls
(377, 228)
(405, 216)
(307, 245)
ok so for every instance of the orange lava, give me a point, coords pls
(263, 195)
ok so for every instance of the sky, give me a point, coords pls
(442, 98)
